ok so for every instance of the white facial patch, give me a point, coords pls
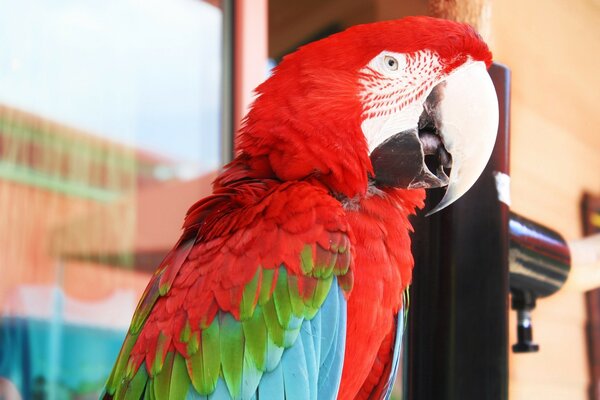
(395, 86)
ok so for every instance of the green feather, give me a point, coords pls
(130, 370)
(186, 332)
(193, 343)
(295, 299)
(211, 354)
(156, 389)
(162, 381)
(265, 286)
(321, 291)
(292, 332)
(322, 261)
(274, 328)
(157, 365)
(164, 288)
(136, 386)
(255, 332)
(195, 366)
(306, 259)
(149, 392)
(232, 353)
(146, 304)
(122, 361)
(204, 365)
(406, 305)
(327, 273)
(180, 381)
(281, 296)
(250, 296)
(121, 390)
(310, 312)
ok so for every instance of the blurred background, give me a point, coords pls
(115, 116)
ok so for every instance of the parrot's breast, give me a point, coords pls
(383, 269)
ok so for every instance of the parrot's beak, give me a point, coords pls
(455, 134)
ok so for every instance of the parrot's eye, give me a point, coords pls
(391, 63)
(388, 63)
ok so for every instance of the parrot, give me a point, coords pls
(289, 281)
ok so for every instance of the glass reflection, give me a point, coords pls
(109, 130)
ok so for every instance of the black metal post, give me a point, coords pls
(458, 329)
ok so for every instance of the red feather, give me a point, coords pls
(384, 265)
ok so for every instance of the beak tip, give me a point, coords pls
(443, 204)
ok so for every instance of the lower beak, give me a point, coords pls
(456, 134)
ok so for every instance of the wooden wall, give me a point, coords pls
(553, 50)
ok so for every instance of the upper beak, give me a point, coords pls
(456, 132)
(468, 125)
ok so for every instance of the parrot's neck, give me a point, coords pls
(343, 185)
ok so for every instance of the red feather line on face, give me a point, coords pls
(383, 95)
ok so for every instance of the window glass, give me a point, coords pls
(109, 129)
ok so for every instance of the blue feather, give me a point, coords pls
(329, 313)
(271, 385)
(311, 358)
(315, 329)
(220, 392)
(193, 395)
(295, 373)
(251, 376)
(312, 367)
(330, 372)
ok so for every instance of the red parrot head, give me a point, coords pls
(403, 103)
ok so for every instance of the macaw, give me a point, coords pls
(288, 281)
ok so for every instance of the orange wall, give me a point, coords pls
(553, 50)
(40, 230)
(30, 218)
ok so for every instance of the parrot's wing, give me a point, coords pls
(249, 304)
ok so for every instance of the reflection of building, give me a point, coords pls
(71, 196)
(82, 222)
